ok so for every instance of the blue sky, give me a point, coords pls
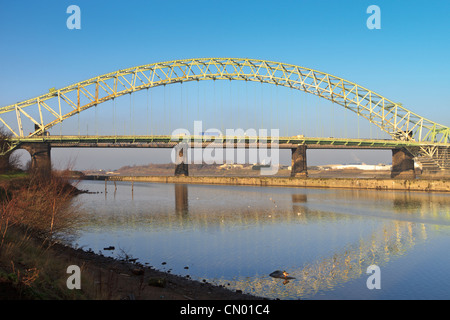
(407, 60)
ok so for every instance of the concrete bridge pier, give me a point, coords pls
(299, 166)
(181, 166)
(402, 164)
(40, 158)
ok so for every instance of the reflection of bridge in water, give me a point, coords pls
(417, 207)
(394, 239)
(416, 213)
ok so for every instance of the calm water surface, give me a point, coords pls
(237, 235)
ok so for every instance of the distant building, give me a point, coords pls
(363, 166)
(228, 166)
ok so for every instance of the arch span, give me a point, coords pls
(60, 104)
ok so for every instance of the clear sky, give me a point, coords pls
(407, 60)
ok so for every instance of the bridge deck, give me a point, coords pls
(166, 141)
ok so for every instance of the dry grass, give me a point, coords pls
(42, 208)
(34, 213)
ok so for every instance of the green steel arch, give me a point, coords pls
(54, 107)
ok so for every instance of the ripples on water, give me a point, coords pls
(237, 235)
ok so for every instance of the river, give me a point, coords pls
(236, 236)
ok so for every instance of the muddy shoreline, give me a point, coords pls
(116, 279)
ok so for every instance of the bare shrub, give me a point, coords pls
(41, 207)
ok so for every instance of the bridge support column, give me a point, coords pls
(40, 158)
(299, 166)
(181, 166)
(402, 164)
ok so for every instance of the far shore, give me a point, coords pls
(424, 185)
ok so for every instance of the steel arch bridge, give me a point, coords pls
(52, 108)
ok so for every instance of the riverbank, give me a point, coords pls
(436, 185)
(120, 279)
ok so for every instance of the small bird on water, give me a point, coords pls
(280, 274)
